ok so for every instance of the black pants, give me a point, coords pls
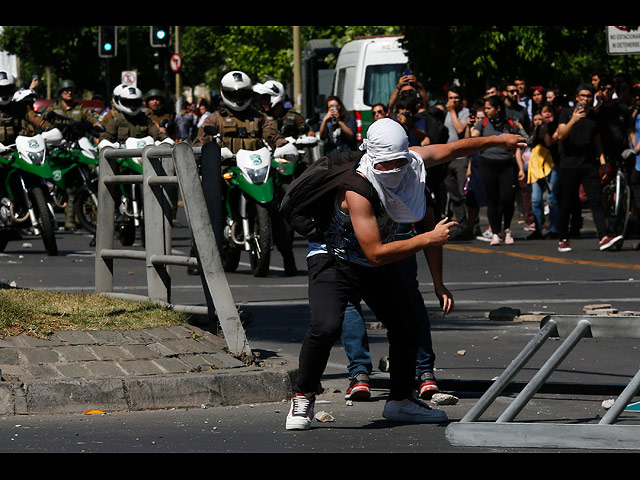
(569, 181)
(499, 179)
(334, 283)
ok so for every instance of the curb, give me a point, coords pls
(106, 371)
(194, 390)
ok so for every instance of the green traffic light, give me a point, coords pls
(107, 47)
(160, 34)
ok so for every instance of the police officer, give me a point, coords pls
(241, 126)
(159, 113)
(271, 98)
(15, 116)
(129, 120)
(67, 106)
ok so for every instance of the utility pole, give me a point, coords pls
(297, 69)
(178, 76)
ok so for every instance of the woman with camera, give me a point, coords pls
(338, 128)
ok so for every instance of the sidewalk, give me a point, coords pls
(176, 367)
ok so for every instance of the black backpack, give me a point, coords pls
(309, 200)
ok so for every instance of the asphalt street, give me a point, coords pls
(530, 277)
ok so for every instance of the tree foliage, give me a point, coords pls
(473, 56)
(476, 56)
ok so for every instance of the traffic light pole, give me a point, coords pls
(178, 76)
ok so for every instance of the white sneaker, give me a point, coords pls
(486, 236)
(300, 413)
(412, 410)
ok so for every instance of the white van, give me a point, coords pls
(367, 72)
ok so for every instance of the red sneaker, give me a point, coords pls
(563, 246)
(428, 386)
(358, 389)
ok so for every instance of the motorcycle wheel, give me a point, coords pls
(86, 210)
(127, 233)
(260, 253)
(45, 220)
(230, 257)
(5, 236)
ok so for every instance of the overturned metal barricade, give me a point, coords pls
(165, 166)
(504, 432)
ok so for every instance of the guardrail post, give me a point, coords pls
(157, 221)
(207, 247)
(105, 222)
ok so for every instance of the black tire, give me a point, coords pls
(45, 221)
(86, 210)
(127, 233)
(5, 236)
(230, 256)
(616, 225)
(260, 253)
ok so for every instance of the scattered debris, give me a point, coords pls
(503, 314)
(444, 399)
(94, 412)
(599, 309)
(606, 404)
(461, 353)
(324, 417)
(383, 364)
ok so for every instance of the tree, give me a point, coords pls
(552, 56)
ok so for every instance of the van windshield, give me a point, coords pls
(380, 81)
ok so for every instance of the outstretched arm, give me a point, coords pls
(440, 153)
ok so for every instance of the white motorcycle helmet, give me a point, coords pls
(130, 100)
(236, 91)
(26, 95)
(274, 89)
(116, 94)
(7, 87)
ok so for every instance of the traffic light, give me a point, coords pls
(160, 37)
(107, 42)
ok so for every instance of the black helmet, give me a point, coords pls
(154, 93)
(64, 84)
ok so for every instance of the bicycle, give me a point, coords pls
(616, 196)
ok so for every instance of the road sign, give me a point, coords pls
(129, 78)
(623, 40)
(175, 62)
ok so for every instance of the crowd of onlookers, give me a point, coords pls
(574, 142)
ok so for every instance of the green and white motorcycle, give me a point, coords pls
(25, 203)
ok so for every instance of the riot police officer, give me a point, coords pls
(129, 120)
(15, 116)
(241, 126)
(159, 113)
(272, 102)
(68, 107)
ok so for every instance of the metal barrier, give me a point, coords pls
(164, 166)
(506, 433)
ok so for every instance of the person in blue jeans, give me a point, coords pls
(354, 335)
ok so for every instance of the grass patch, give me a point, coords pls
(40, 313)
